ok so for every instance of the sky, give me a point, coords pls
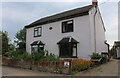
(15, 14)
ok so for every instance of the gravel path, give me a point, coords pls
(108, 69)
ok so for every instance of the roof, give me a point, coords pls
(67, 40)
(62, 16)
(37, 43)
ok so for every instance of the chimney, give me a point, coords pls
(95, 3)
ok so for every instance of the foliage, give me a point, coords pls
(21, 35)
(11, 47)
(13, 55)
(104, 59)
(57, 70)
(113, 52)
(21, 39)
(80, 65)
(36, 56)
(44, 56)
(50, 57)
(5, 41)
(96, 56)
(26, 56)
(18, 55)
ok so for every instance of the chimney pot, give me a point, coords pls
(94, 2)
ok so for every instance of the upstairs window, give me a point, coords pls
(37, 31)
(67, 26)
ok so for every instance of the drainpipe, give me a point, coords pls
(95, 4)
(95, 30)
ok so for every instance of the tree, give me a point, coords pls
(11, 47)
(5, 41)
(21, 35)
(21, 39)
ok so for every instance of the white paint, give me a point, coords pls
(83, 33)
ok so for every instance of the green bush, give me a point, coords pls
(104, 59)
(113, 52)
(26, 56)
(37, 56)
(14, 55)
(50, 57)
(18, 55)
(96, 56)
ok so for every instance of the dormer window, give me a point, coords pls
(37, 31)
(67, 26)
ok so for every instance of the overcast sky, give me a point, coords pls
(15, 15)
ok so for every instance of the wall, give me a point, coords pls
(51, 37)
(99, 33)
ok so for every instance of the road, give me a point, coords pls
(10, 71)
(108, 69)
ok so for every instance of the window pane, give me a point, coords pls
(39, 31)
(67, 26)
(35, 33)
(70, 27)
(74, 51)
(35, 48)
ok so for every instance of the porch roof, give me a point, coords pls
(38, 43)
(67, 40)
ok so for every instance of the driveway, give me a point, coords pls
(108, 69)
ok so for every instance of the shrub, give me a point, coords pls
(14, 55)
(50, 57)
(36, 56)
(18, 55)
(113, 52)
(104, 59)
(96, 56)
(26, 56)
(80, 65)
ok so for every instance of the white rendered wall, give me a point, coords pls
(51, 37)
(99, 32)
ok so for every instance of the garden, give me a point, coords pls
(44, 61)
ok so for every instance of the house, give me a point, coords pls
(70, 34)
(117, 45)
